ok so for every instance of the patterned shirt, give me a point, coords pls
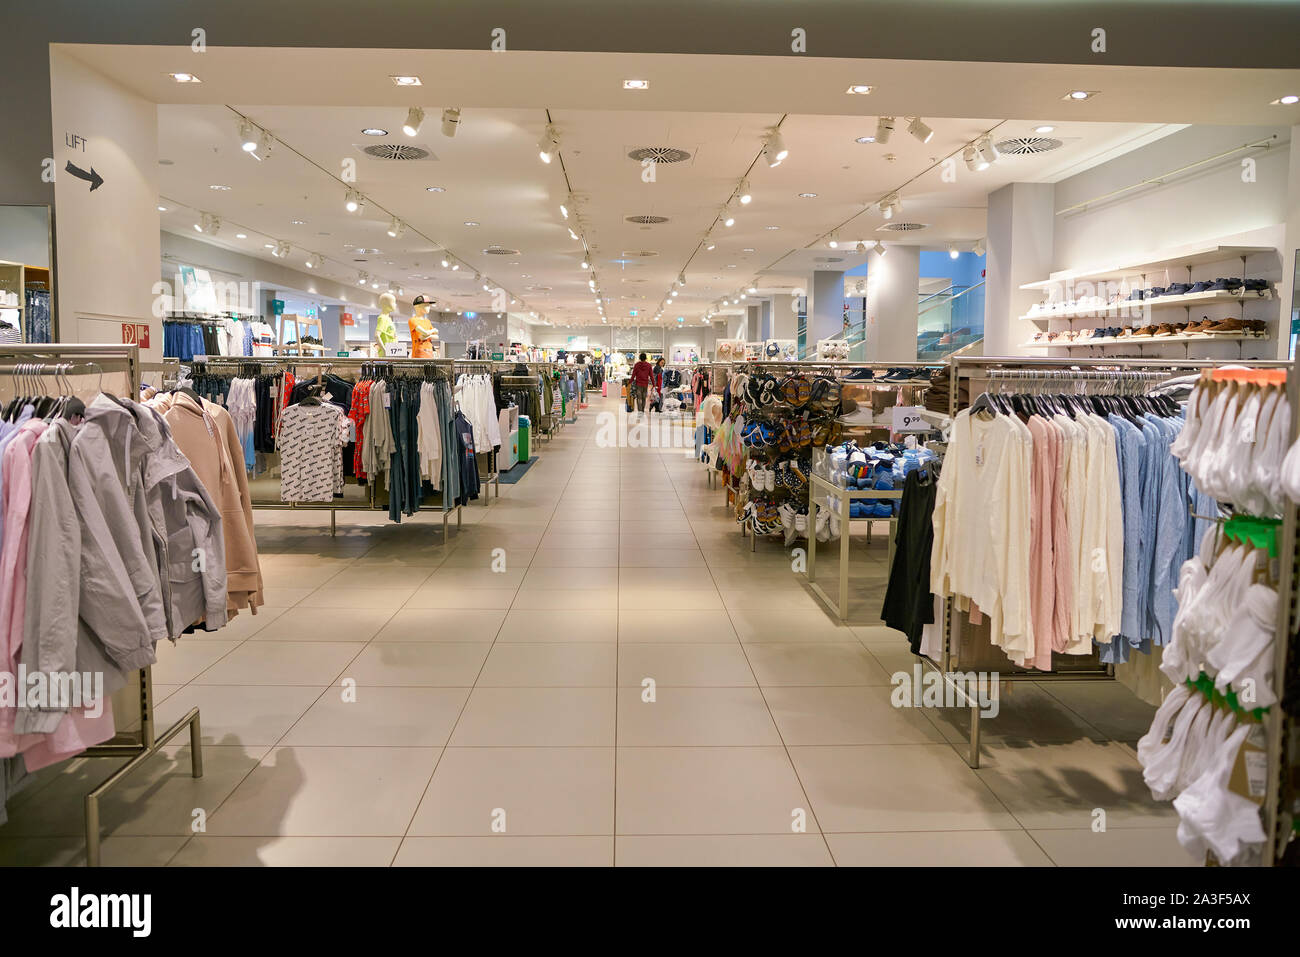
(311, 452)
(360, 411)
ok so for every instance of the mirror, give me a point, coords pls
(26, 283)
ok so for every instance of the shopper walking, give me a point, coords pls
(659, 384)
(642, 373)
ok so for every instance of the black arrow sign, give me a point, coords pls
(93, 178)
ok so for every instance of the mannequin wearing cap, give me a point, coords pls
(423, 333)
(385, 331)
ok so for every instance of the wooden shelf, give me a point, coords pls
(1200, 255)
(1135, 308)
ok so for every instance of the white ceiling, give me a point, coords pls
(708, 107)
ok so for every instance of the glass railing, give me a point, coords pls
(949, 320)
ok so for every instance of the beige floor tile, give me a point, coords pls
(767, 624)
(466, 557)
(242, 626)
(503, 850)
(434, 664)
(317, 792)
(708, 791)
(537, 717)
(694, 717)
(1011, 848)
(852, 715)
(336, 596)
(806, 663)
(574, 600)
(684, 665)
(284, 596)
(897, 787)
(330, 624)
(1027, 716)
(1063, 785)
(568, 577)
(636, 556)
(239, 714)
(519, 791)
(376, 573)
(443, 597)
(550, 665)
(71, 851)
(313, 663)
(575, 558)
(722, 850)
(207, 851)
(442, 624)
(1106, 705)
(1122, 847)
(377, 716)
(540, 624)
(185, 660)
(449, 578)
(634, 596)
(710, 626)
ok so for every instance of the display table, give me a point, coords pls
(818, 490)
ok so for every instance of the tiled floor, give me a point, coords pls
(596, 670)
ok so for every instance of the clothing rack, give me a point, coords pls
(485, 367)
(323, 366)
(1119, 374)
(63, 360)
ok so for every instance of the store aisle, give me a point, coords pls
(400, 702)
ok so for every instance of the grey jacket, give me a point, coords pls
(125, 546)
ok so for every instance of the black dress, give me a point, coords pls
(909, 603)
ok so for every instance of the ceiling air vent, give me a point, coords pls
(647, 220)
(500, 251)
(829, 259)
(396, 151)
(659, 154)
(902, 227)
(1027, 145)
(638, 253)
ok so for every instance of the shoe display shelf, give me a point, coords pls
(819, 490)
(1145, 341)
(1135, 308)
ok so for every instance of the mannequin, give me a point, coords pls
(385, 330)
(424, 334)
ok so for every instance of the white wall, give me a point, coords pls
(25, 235)
(108, 243)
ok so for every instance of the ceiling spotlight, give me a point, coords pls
(263, 149)
(352, 201)
(247, 136)
(865, 139)
(405, 80)
(591, 283)
(807, 195)
(241, 235)
(636, 84)
(209, 224)
(745, 196)
(681, 279)
(710, 246)
(728, 220)
(861, 248)
(564, 211)
(890, 205)
(374, 131)
(918, 129)
(435, 189)
(162, 209)
(988, 153)
(952, 252)
(1044, 129)
(1289, 100)
(455, 267)
(973, 161)
(281, 250)
(673, 294)
(573, 235)
(860, 89)
(184, 77)
(414, 117)
(753, 289)
(884, 129)
(880, 248)
(774, 150)
(395, 228)
(548, 144)
(834, 241)
(978, 248)
(316, 262)
(450, 121)
(1080, 95)
(584, 265)
(445, 264)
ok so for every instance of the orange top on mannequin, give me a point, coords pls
(423, 334)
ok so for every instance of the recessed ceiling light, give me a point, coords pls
(241, 235)
(470, 222)
(1287, 100)
(435, 189)
(218, 186)
(710, 246)
(731, 265)
(1044, 129)
(374, 131)
(636, 84)
(405, 80)
(1080, 95)
(162, 209)
(860, 89)
(748, 249)
(865, 139)
(807, 195)
(268, 245)
(300, 222)
(771, 227)
(184, 77)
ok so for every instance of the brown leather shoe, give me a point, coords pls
(1227, 327)
(1257, 326)
(1164, 329)
(1145, 331)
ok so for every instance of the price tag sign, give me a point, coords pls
(908, 418)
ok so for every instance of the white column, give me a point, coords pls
(1020, 239)
(825, 307)
(785, 321)
(1290, 249)
(108, 238)
(893, 281)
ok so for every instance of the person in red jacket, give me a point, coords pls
(658, 380)
(641, 375)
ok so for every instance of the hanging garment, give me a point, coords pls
(468, 460)
(404, 491)
(206, 434)
(909, 608)
(311, 452)
(359, 412)
(430, 441)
